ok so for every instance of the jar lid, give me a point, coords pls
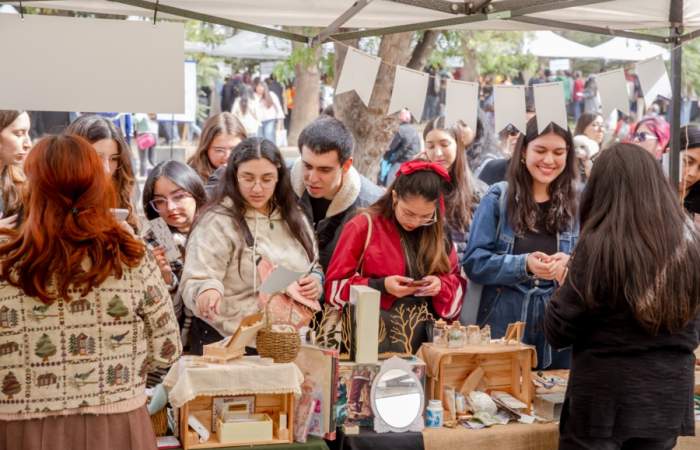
(435, 404)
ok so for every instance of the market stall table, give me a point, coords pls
(313, 443)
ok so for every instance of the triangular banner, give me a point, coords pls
(612, 88)
(359, 74)
(550, 105)
(461, 102)
(410, 88)
(509, 107)
(654, 79)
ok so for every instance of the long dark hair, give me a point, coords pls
(283, 198)
(95, 128)
(266, 97)
(636, 242)
(180, 174)
(583, 121)
(461, 197)
(522, 208)
(433, 248)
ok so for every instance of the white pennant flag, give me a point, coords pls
(461, 102)
(654, 79)
(358, 74)
(549, 105)
(410, 88)
(612, 88)
(509, 106)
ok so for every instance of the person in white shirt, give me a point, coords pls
(269, 110)
(245, 110)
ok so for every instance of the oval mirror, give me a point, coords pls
(397, 398)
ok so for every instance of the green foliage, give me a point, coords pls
(496, 52)
(691, 65)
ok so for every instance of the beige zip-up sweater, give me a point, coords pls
(89, 355)
(212, 262)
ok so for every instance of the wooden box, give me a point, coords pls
(274, 405)
(506, 367)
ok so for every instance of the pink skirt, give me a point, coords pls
(124, 431)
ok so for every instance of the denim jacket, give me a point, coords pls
(509, 293)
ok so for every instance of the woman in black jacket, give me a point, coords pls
(629, 308)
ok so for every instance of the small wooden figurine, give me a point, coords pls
(234, 347)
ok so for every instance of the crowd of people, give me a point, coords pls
(471, 227)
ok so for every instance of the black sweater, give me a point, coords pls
(624, 382)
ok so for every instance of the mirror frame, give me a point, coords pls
(380, 426)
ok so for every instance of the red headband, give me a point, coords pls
(409, 167)
(416, 165)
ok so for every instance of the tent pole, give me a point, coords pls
(676, 31)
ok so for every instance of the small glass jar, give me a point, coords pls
(433, 414)
(440, 333)
(455, 336)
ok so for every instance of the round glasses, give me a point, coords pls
(249, 183)
(160, 204)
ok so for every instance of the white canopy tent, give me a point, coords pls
(547, 44)
(624, 49)
(246, 45)
(625, 18)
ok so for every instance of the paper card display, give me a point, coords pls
(654, 79)
(156, 233)
(612, 88)
(410, 89)
(461, 103)
(550, 105)
(509, 107)
(279, 280)
(359, 73)
(82, 64)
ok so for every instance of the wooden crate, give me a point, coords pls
(271, 404)
(508, 370)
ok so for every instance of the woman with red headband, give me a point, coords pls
(399, 248)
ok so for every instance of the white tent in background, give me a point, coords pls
(246, 45)
(624, 49)
(547, 44)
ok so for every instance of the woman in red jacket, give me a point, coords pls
(404, 252)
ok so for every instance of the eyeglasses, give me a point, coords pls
(265, 183)
(643, 136)
(160, 204)
(410, 217)
(598, 125)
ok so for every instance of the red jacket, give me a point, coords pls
(384, 257)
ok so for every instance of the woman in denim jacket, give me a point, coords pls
(522, 235)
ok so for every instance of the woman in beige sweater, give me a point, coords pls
(254, 214)
(84, 313)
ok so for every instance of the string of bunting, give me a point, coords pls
(359, 73)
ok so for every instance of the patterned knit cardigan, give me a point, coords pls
(89, 354)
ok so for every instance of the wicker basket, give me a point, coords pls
(159, 421)
(282, 345)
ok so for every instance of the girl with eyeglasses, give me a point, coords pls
(400, 248)
(653, 134)
(174, 192)
(15, 144)
(253, 215)
(114, 152)
(522, 235)
(221, 133)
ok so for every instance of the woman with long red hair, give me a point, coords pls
(84, 313)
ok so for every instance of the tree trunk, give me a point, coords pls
(307, 83)
(423, 49)
(371, 127)
(470, 70)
